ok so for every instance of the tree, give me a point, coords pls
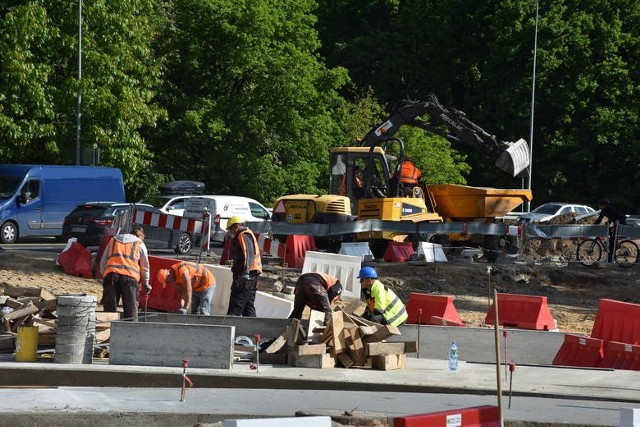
(39, 85)
(252, 109)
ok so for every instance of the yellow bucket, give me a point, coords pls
(27, 344)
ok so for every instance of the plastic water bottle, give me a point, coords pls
(453, 357)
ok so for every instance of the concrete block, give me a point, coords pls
(432, 252)
(629, 417)
(167, 344)
(272, 307)
(247, 326)
(279, 422)
(359, 249)
(345, 267)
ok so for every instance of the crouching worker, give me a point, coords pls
(318, 291)
(195, 283)
(383, 305)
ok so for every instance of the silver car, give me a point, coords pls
(551, 210)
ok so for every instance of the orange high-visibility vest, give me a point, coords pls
(201, 278)
(123, 259)
(329, 280)
(253, 263)
(409, 173)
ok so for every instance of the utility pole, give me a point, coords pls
(533, 98)
(79, 116)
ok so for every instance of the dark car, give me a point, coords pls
(88, 222)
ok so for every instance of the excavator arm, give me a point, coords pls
(511, 157)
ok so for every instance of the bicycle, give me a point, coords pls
(591, 251)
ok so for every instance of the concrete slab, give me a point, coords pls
(478, 344)
(248, 326)
(168, 344)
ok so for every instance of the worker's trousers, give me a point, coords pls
(243, 295)
(114, 284)
(201, 301)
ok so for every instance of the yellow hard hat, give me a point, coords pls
(233, 221)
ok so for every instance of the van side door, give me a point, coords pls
(29, 213)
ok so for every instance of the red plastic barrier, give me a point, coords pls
(398, 252)
(617, 321)
(440, 306)
(620, 355)
(522, 311)
(577, 350)
(161, 298)
(76, 261)
(296, 247)
(477, 416)
(226, 251)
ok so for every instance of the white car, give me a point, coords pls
(172, 205)
(551, 210)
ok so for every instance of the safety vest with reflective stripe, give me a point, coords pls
(201, 278)
(123, 258)
(388, 303)
(329, 280)
(252, 261)
(409, 173)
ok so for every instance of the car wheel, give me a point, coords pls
(8, 232)
(185, 243)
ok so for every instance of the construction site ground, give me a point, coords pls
(541, 267)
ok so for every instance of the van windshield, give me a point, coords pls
(9, 186)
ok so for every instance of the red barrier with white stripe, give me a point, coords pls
(173, 222)
(270, 246)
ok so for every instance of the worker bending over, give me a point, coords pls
(383, 305)
(195, 284)
(317, 291)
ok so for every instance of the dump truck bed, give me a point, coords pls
(462, 202)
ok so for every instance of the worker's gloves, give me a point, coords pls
(147, 288)
(182, 310)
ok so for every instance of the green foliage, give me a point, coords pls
(252, 109)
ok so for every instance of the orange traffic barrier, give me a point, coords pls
(617, 321)
(162, 298)
(398, 252)
(577, 350)
(477, 416)
(296, 247)
(522, 311)
(428, 309)
(619, 355)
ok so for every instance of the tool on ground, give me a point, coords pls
(505, 334)
(257, 340)
(512, 368)
(419, 322)
(185, 380)
(146, 301)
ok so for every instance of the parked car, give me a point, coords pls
(173, 196)
(222, 208)
(172, 205)
(552, 210)
(88, 222)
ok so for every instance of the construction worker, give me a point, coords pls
(195, 283)
(383, 305)
(246, 268)
(409, 177)
(124, 264)
(317, 291)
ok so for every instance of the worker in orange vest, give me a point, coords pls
(410, 176)
(195, 283)
(317, 291)
(124, 265)
(246, 267)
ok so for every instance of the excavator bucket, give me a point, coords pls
(515, 158)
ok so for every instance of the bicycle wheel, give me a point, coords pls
(626, 253)
(589, 252)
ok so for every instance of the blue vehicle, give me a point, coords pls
(34, 199)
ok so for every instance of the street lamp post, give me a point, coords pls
(533, 98)
(79, 116)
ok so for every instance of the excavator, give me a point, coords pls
(365, 184)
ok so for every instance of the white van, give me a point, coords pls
(222, 208)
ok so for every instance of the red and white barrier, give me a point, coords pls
(168, 221)
(269, 246)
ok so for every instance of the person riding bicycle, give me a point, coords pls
(614, 217)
